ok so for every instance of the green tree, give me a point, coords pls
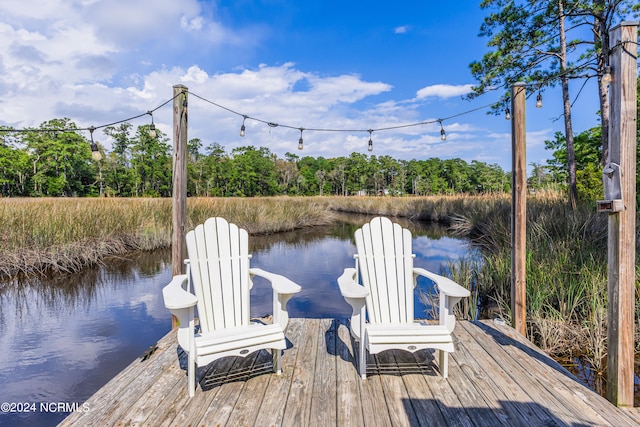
(119, 177)
(588, 158)
(14, 165)
(151, 162)
(254, 172)
(196, 179)
(61, 158)
(529, 41)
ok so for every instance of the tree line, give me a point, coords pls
(46, 162)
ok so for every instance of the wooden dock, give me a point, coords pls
(496, 378)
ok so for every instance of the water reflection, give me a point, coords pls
(314, 258)
(65, 337)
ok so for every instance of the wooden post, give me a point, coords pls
(518, 209)
(179, 214)
(622, 226)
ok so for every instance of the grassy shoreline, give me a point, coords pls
(50, 235)
(41, 236)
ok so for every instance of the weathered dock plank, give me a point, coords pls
(273, 405)
(496, 377)
(552, 382)
(300, 393)
(323, 401)
(348, 381)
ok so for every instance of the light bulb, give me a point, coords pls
(152, 130)
(606, 77)
(95, 152)
(507, 114)
(539, 100)
(443, 134)
(300, 142)
(242, 128)
(370, 145)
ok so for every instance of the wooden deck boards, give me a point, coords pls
(496, 377)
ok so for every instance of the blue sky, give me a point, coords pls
(313, 64)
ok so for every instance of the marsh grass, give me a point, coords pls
(42, 236)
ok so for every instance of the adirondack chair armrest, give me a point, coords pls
(176, 296)
(349, 288)
(279, 283)
(450, 294)
(445, 285)
(283, 291)
(355, 295)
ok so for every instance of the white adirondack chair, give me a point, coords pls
(383, 312)
(219, 276)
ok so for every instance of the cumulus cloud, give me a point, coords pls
(401, 29)
(443, 91)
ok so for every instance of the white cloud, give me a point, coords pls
(98, 62)
(401, 29)
(443, 91)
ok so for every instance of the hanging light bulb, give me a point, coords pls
(606, 77)
(443, 134)
(370, 148)
(539, 100)
(507, 114)
(242, 128)
(300, 141)
(152, 126)
(95, 151)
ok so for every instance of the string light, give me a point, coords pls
(606, 77)
(539, 100)
(370, 147)
(443, 134)
(152, 126)
(95, 151)
(300, 141)
(507, 113)
(242, 128)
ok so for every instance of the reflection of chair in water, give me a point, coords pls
(383, 313)
(219, 275)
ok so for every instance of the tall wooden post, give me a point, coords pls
(622, 226)
(179, 214)
(518, 209)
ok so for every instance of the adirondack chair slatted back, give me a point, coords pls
(386, 268)
(219, 267)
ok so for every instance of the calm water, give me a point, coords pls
(63, 339)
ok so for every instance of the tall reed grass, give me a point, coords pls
(39, 236)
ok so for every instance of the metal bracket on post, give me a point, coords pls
(611, 179)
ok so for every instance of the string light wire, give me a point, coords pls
(272, 124)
